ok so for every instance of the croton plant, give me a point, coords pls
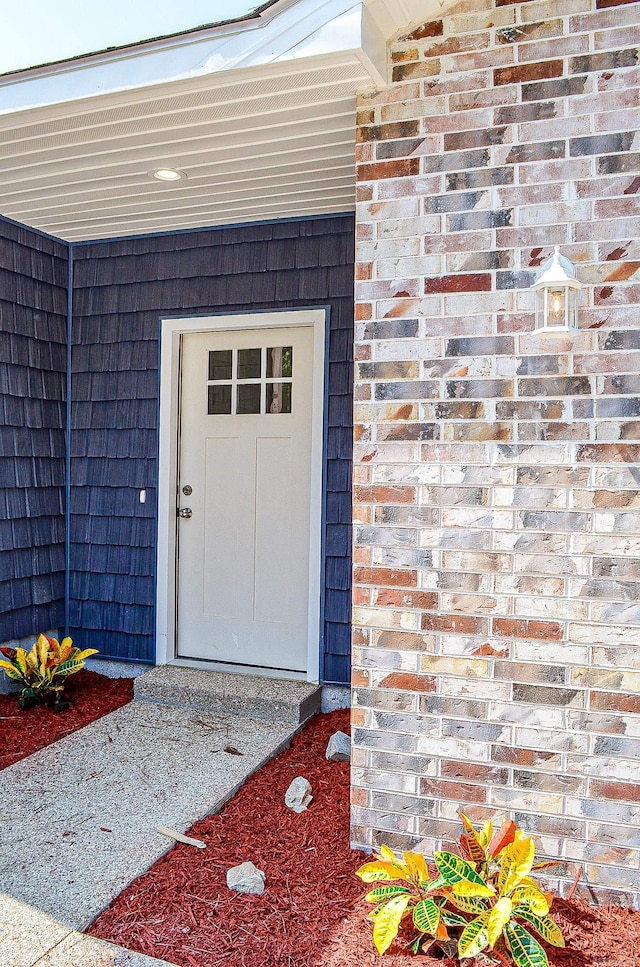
(43, 671)
(479, 906)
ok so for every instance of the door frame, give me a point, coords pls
(171, 330)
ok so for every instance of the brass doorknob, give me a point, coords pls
(185, 513)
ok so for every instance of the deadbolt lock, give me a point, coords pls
(187, 490)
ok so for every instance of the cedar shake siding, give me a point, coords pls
(121, 290)
(33, 324)
(497, 472)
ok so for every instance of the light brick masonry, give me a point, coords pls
(497, 472)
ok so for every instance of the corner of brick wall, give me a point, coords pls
(496, 660)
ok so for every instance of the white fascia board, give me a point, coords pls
(293, 30)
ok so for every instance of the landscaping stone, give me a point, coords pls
(339, 748)
(246, 878)
(298, 795)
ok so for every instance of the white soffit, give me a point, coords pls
(259, 115)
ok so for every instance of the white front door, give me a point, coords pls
(244, 488)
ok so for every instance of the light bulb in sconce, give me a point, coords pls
(556, 291)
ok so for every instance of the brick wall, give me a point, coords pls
(497, 472)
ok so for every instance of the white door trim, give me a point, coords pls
(171, 329)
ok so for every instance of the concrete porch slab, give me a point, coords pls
(267, 699)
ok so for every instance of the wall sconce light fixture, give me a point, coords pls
(556, 291)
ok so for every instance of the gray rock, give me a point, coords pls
(339, 748)
(246, 878)
(298, 795)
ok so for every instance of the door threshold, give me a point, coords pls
(231, 669)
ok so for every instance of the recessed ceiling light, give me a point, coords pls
(168, 174)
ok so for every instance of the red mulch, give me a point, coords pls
(311, 914)
(91, 696)
(182, 911)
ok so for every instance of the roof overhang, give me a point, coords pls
(258, 114)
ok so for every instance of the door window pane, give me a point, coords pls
(256, 380)
(278, 397)
(249, 398)
(219, 400)
(279, 362)
(249, 364)
(220, 364)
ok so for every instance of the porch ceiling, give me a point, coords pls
(259, 115)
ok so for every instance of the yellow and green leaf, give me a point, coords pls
(69, 667)
(42, 652)
(387, 922)
(468, 904)
(387, 855)
(545, 926)
(471, 888)
(382, 893)
(416, 866)
(378, 870)
(499, 916)
(474, 938)
(516, 862)
(371, 872)
(426, 916)
(486, 834)
(531, 898)
(10, 670)
(525, 950)
(461, 876)
(530, 881)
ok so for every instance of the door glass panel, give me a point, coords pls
(271, 368)
(249, 364)
(279, 362)
(219, 400)
(278, 397)
(249, 398)
(220, 364)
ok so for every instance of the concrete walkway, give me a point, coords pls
(78, 820)
(29, 938)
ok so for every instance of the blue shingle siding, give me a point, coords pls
(121, 289)
(33, 311)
